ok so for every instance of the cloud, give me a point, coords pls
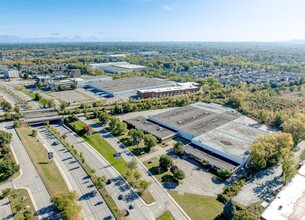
(167, 8)
(55, 34)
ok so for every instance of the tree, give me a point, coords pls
(73, 85)
(150, 141)
(5, 138)
(65, 204)
(245, 215)
(224, 173)
(37, 97)
(62, 87)
(288, 166)
(143, 185)
(178, 148)
(100, 181)
(136, 136)
(17, 109)
(117, 127)
(87, 128)
(8, 168)
(165, 162)
(132, 164)
(296, 127)
(6, 106)
(179, 174)
(34, 133)
(137, 175)
(267, 150)
(103, 118)
(229, 210)
(126, 107)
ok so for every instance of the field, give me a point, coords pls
(166, 216)
(20, 200)
(71, 96)
(295, 96)
(48, 171)
(198, 207)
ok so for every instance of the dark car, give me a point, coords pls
(55, 143)
(125, 212)
(121, 197)
(131, 206)
(108, 182)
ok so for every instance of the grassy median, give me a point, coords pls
(22, 206)
(167, 215)
(47, 170)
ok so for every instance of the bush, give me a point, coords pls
(223, 198)
(225, 174)
(179, 174)
(245, 215)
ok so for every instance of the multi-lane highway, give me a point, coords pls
(93, 205)
(118, 185)
(163, 199)
(29, 178)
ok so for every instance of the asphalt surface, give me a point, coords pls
(118, 185)
(12, 100)
(30, 179)
(93, 204)
(5, 210)
(163, 200)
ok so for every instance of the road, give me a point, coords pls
(102, 167)
(163, 200)
(93, 204)
(12, 100)
(30, 179)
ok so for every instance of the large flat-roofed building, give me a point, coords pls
(289, 204)
(11, 74)
(216, 129)
(181, 88)
(85, 80)
(118, 67)
(142, 123)
(129, 86)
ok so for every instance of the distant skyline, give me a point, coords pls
(151, 20)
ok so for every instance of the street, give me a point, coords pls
(91, 201)
(102, 167)
(163, 199)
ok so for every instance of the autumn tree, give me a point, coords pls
(267, 150)
(296, 127)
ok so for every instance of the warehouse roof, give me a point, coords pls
(196, 120)
(290, 202)
(130, 83)
(213, 159)
(144, 124)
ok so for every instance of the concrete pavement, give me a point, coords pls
(30, 179)
(93, 205)
(163, 200)
(102, 167)
(5, 210)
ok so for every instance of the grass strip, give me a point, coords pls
(108, 199)
(21, 205)
(47, 170)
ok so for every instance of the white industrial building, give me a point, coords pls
(118, 67)
(289, 204)
(219, 131)
(11, 74)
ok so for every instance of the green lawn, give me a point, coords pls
(198, 207)
(43, 102)
(19, 206)
(28, 93)
(77, 126)
(166, 216)
(48, 171)
(153, 166)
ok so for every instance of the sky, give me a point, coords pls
(152, 20)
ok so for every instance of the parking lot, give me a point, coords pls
(72, 96)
